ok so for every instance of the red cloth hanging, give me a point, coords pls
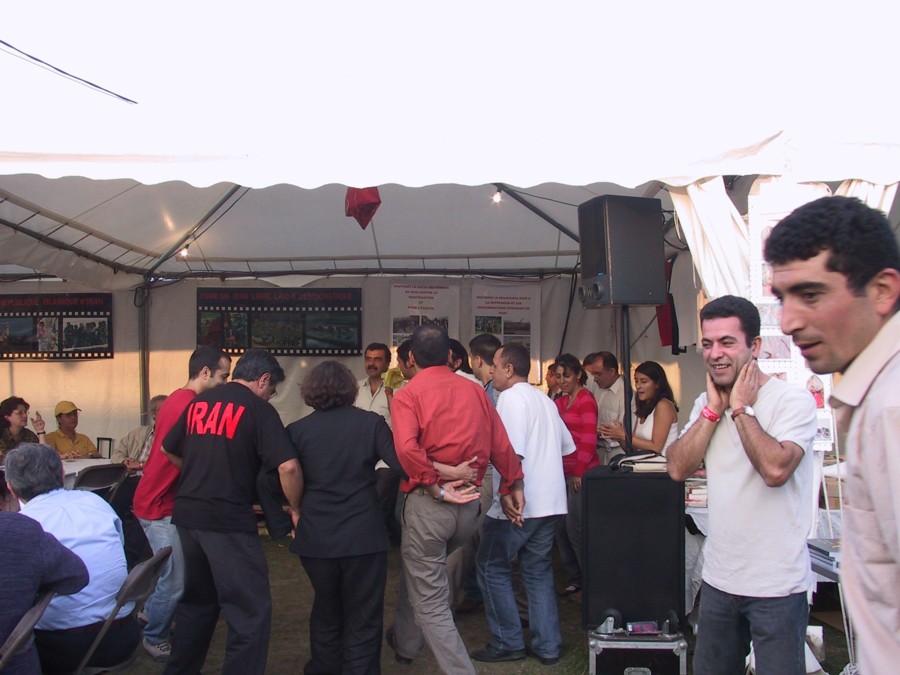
(362, 203)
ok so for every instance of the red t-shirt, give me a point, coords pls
(155, 495)
(581, 420)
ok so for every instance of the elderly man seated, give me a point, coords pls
(87, 525)
(65, 440)
(31, 562)
(134, 447)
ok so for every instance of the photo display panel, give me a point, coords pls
(56, 326)
(283, 321)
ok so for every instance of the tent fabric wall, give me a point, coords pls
(107, 390)
(716, 234)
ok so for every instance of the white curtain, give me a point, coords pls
(874, 195)
(716, 234)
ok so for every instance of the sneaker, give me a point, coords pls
(158, 652)
(571, 589)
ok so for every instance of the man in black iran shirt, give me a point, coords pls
(223, 439)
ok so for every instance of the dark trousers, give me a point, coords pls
(346, 620)
(136, 545)
(226, 570)
(387, 485)
(62, 650)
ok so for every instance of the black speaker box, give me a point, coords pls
(622, 251)
(633, 547)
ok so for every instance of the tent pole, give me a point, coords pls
(626, 373)
(142, 301)
(503, 187)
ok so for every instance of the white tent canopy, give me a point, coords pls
(251, 119)
(244, 104)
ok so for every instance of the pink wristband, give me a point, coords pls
(708, 413)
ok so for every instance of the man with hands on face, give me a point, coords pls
(754, 433)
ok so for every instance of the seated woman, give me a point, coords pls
(13, 431)
(656, 415)
(341, 538)
(14, 425)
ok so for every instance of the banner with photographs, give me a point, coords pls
(61, 326)
(284, 321)
(413, 305)
(779, 356)
(513, 314)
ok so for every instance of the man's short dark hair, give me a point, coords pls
(728, 306)
(205, 357)
(254, 364)
(430, 345)
(484, 345)
(608, 358)
(379, 346)
(403, 350)
(33, 469)
(516, 354)
(858, 238)
(329, 385)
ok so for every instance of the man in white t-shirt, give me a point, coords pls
(540, 438)
(755, 433)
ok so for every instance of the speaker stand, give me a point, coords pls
(625, 329)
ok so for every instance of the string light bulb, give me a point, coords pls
(184, 252)
(498, 197)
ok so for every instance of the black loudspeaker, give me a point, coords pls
(622, 251)
(633, 547)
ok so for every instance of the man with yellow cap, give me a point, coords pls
(65, 440)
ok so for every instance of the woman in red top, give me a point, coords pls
(578, 410)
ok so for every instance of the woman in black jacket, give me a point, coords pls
(341, 539)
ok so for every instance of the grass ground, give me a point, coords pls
(289, 644)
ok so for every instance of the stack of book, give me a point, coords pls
(825, 553)
(695, 492)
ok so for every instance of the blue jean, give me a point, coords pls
(501, 544)
(728, 624)
(160, 607)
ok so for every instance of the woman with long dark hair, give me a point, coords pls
(578, 410)
(14, 425)
(341, 538)
(13, 431)
(656, 415)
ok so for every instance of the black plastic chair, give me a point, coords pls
(20, 638)
(102, 479)
(137, 587)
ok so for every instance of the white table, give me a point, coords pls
(73, 467)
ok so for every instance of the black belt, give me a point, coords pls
(95, 627)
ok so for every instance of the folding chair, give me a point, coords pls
(21, 635)
(102, 479)
(137, 587)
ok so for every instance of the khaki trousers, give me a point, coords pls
(431, 531)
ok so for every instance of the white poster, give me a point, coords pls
(513, 314)
(779, 356)
(413, 305)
